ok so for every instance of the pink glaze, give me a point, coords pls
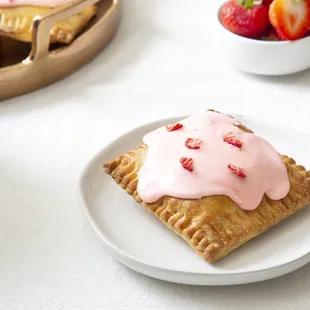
(45, 3)
(162, 174)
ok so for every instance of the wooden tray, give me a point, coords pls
(26, 67)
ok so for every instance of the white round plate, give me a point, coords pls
(140, 241)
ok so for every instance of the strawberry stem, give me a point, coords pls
(247, 3)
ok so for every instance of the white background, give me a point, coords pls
(164, 61)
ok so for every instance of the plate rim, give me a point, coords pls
(122, 255)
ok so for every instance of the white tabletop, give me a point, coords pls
(163, 62)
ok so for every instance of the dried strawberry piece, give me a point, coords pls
(231, 139)
(192, 143)
(187, 163)
(236, 170)
(173, 127)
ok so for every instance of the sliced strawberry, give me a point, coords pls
(236, 170)
(230, 138)
(187, 163)
(192, 143)
(247, 18)
(291, 18)
(173, 127)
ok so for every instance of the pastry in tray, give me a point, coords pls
(17, 16)
(212, 181)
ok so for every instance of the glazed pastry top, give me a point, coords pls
(44, 3)
(207, 154)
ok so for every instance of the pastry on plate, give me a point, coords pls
(212, 181)
(17, 18)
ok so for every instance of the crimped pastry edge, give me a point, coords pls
(210, 251)
(213, 251)
(20, 27)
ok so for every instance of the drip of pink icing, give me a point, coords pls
(44, 3)
(162, 174)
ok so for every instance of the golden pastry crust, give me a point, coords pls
(17, 23)
(214, 225)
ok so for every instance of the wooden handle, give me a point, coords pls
(43, 24)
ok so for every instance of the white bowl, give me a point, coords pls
(264, 57)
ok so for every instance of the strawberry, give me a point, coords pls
(236, 170)
(270, 35)
(230, 138)
(173, 127)
(187, 163)
(192, 143)
(267, 2)
(291, 18)
(245, 17)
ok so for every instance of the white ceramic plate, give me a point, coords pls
(140, 241)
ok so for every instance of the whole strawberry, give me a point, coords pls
(267, 3)
(245, 17)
